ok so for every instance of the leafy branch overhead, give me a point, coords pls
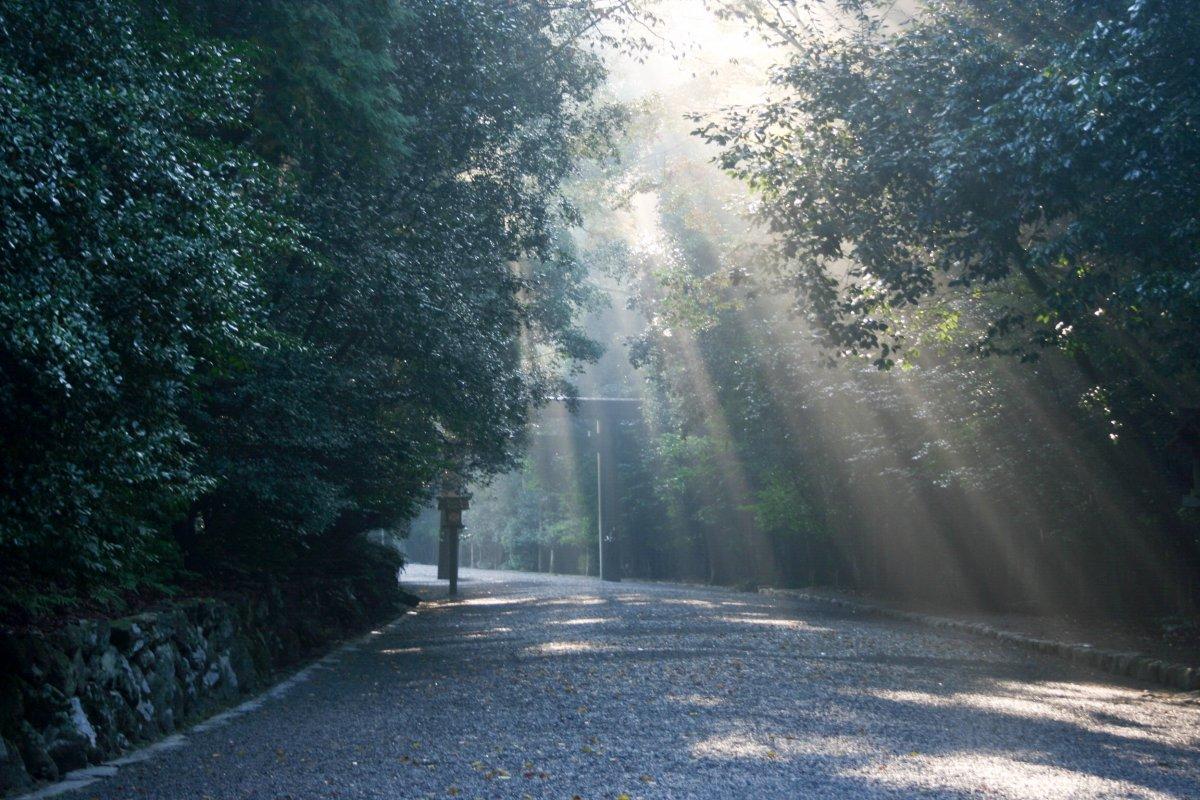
(1047, 145)
(262, 263)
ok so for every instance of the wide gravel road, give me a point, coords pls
(529, 686)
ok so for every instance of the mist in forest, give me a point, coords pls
(885, 296)
(599, 398)
(755, 459)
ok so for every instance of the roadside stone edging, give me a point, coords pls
(76, 698)
(1126, 664)
(82, 778)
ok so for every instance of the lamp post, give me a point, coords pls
(1189, 436)
(607, 416)
(452, 502)
(607, 492)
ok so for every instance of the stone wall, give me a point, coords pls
(92, 690)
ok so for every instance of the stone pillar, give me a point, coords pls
(452, 502)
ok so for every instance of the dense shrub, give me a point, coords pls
(266, 269)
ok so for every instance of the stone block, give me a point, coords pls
(13, 775)
(38, 762)
(70, 738)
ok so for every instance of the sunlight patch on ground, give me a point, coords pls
(1073, 711)
(783, 746)
(495, 601)
(733, 746)
(699, 700)
(684, 601)
(559, 648)
(992, 775)
(485, 633)
(790, 624)
(583, 621)
(402, 651)
(1060, 690)
(575, 600)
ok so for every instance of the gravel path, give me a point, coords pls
(540, 687)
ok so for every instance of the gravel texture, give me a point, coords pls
(529, 686)
(1173, 641)
(1115, 661)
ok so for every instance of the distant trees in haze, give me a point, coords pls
(1037, 160)
(989, 178)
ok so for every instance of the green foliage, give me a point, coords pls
(128, 244)
(1040, 145)
(1018, 169)
(398, 326)
(517, 518)
(268, 268)
(690, 485)
(782, 509)
(955, 478)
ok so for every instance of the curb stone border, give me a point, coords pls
(1171, 674)
(81, 778)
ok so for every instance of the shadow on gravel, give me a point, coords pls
(719, 691)
(998, 737)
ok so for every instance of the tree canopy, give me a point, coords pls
(269, 268)
(970, 182)
(1040, 155)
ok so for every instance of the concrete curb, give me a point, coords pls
(1126, 664)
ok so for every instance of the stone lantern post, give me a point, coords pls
(452, 502)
